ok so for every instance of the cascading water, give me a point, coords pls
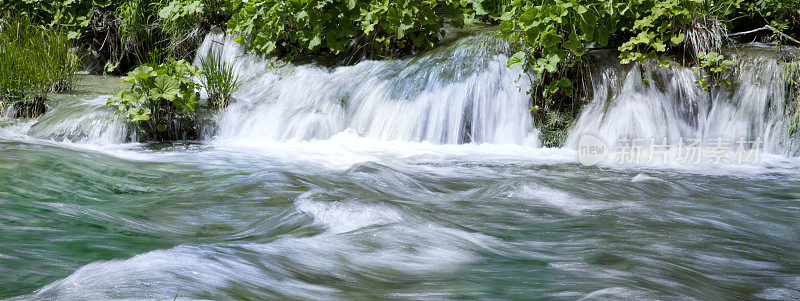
(81, 121)
(78, 117)
(646, 101)
(458, 93)
(360, 184)
(462, 93)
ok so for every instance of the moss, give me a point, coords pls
(792, 79)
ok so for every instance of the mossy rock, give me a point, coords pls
(29, 108)
(553, 127)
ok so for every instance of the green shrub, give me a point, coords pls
(219, 79)
(161, 100)
(712, 69)
(382, 28)
(552, 34)
(72, 16)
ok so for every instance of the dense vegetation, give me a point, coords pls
(553, 37)
(373, 28)
(33, 63)
(550, 38)
(126, 33)
(41, 41)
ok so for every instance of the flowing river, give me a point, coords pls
(420, 178)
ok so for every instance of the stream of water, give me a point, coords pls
(414, 179)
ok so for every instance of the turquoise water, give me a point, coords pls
(331, 219)
(341, 184)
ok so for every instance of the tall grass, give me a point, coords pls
(33, 63)
(219, 79)
(140, 33)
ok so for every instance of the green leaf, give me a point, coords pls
(675, 40)
(478, 6)
(165, 87)
(140, 73)
(169, 10)
(574, 45)
(73, 34)
(315, 41)
(529, 16)
(588, 25)
(659, 46)
(516, 60)
(550, 39)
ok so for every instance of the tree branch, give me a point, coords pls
(766, 27)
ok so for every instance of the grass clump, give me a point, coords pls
(33, 63)
(219, 79)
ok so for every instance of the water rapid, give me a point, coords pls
(417, 178)
(458, 93)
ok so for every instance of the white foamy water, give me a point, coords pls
(419, 178)
(646, 101)
(457, 94)
(82, 121)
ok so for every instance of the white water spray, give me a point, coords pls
(646, 101)
(459, 93)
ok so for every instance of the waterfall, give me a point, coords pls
(75, 118)
(462, 92)
(459, 93)
(646, 101)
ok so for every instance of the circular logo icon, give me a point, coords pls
(591, 150)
